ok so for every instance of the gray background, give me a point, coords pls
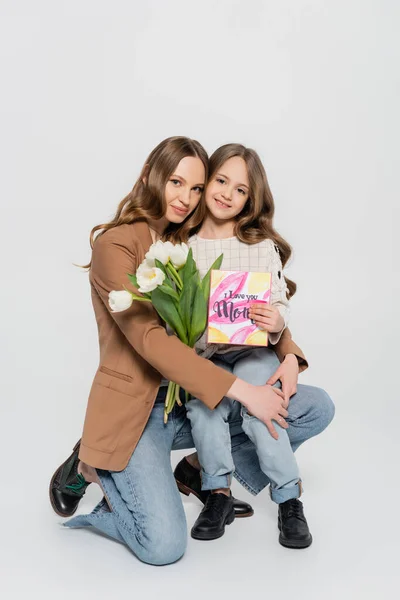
(88, 88)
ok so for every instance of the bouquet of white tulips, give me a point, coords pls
(169, 279)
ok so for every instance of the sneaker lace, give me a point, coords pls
(77, 487)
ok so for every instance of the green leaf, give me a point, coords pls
(133, 280)
(185, 304)
(169, 291)
(189, 269)
(168, 310)
(199, 317)
(168, 279)
(205, 284)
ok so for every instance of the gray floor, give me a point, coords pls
(353, 519)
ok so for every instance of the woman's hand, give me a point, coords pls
(262, 401)
(266, 317)
(288, 374)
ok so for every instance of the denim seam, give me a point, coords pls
(117, 514)
(139, 532)
(245, 484)
(296, 420)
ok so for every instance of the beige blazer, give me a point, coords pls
(135, 350)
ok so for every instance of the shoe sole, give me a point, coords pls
(295, 544)
(299, 545)
(53, 504)
(186, 491)
(207, 536)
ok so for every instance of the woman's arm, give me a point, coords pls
(112, 260)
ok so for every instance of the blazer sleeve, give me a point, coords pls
(287, 346)
(112, 260)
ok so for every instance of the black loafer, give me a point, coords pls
(67, 486)
(217, 512)
(293, 526)
(189, 482)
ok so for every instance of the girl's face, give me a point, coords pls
(228, 190)
(184, 189)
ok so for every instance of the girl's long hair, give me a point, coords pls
(147, 198)
(255, 222)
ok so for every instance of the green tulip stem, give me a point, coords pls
(166, 402)
(140, 298)
(175, 276)
(136, 297)
(169, 400)
(177, 399)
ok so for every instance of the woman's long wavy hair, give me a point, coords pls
(255, 222)
(147, 198)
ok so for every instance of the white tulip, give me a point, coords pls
(160, 251)
(119, 301)
(148, 278)
(178, 254)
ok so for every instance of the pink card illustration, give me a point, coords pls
(231, 295)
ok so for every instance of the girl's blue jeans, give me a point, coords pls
(147, 511)
(210, 430)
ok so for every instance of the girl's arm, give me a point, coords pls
(112, 260)
(282, 340)
(279, 291)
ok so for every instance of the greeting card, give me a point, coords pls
(231, 295)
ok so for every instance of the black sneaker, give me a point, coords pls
(188, 481)
(67, 486)
(218, 511)
(293, 527)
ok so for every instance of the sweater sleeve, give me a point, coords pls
(279, 291)
(112, 260)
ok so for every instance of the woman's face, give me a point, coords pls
(184, 189)
(228, 190)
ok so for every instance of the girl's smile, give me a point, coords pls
(228, 190)
(222, 204)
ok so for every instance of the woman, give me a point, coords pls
(125, 445)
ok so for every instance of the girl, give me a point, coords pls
(125, 445)
(239, 223)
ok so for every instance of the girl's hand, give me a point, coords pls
(288, 373)
(266, 317)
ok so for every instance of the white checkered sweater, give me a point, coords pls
(262, 257)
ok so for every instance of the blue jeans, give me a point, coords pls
(210, 430)
(147, 511)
